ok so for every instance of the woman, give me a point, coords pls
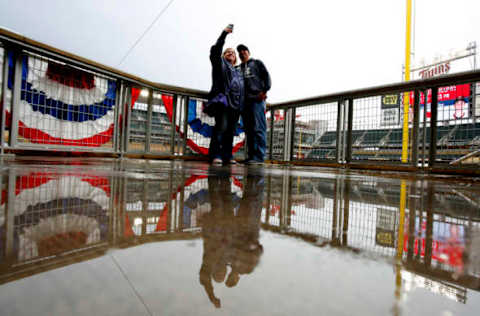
(227, 98)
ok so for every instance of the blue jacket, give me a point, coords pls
(225, 77)
(257, 79)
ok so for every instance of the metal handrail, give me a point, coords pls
(445, 80)
(13, 39)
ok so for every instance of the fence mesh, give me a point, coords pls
(161, 126)
(57, 213)
(139, 123)
(377, 128)
(64, 105)
(458, 129)
(316, 132)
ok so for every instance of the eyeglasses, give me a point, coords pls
(228, 52)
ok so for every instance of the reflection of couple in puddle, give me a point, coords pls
(230, 230)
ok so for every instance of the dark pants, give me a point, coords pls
(255, 124)
(221, 143)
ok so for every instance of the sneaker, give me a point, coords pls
(233, 162)
(217, 161)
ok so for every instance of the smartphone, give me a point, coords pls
(230, 26)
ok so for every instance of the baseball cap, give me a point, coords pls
(242, 47)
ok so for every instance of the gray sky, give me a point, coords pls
(310, 47)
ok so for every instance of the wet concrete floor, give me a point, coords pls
(135, 237)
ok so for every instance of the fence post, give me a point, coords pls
(185, 125)
(148, 130)
(338, 150)
(286, 135)
(293, 112)
(4, 97)
(272, 126)
(126, 120)
(17, 90)
(10, 214)
(117, 129)
(433, 127)
(348, 146)
(416, 128)
(173, 131)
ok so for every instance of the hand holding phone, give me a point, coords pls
(229, 28)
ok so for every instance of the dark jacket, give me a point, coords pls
(224, 75)
(257, 79)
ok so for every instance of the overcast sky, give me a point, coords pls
(310, 47)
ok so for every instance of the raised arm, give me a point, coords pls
(216, 50)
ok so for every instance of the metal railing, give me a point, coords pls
(363, 128)
(55, 101)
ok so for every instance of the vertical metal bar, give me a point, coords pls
(174, 118)
(429, 228)
(335, 211)
(348, 149)
(182, 201)
(344, 131)
(118, 110)
(4, 97)
(126, 119)
(272, 126)
(170, 196)
(292, 131)
(123, 202)
(424, 130)
(411, 221)
(185, 125)
(144, 207)
(473, 105)
(288, 212)
(269, 196)
(148, 130)
(346, 212)
(433, 127)
(10, 213)
(17, 90)
(285, 197)
(113, 210)
(401, 225)
(286, 134)
(338, 150)
(416, 127)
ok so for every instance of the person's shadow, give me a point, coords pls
(230, 231)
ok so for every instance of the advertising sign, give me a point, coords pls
(390, 110)
(448, 242)
(453, 102)
(385, 229)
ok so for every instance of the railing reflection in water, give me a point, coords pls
(52, 219)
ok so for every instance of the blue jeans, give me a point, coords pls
(221, 143)
(255, 124)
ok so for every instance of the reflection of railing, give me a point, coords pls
(364, 216)
(53, 219)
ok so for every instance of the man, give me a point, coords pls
(257, 83)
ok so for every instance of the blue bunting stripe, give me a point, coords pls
(200, 127)
(75, 113)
